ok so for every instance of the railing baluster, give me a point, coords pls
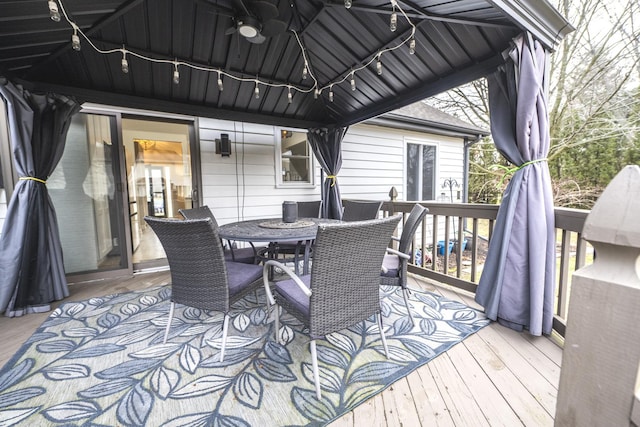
(568, 220)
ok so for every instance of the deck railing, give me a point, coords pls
(450, 226)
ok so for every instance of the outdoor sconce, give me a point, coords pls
(223, 145)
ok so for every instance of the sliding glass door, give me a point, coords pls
(88, 197)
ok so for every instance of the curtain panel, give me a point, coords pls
(31, 265)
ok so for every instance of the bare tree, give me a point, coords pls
(594, 102)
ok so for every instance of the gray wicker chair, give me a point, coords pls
(200, 276)
(244, 255)
(343, 287)
(359, 210)
(394, 266)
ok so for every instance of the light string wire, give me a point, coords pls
(315, 88)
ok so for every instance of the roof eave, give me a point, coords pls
(539, 18)
(410, 123)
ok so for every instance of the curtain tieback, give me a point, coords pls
(32, 178)
(511, 171)
(333, 179)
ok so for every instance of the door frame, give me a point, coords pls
(122, 189)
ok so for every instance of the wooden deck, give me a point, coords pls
(496, 377)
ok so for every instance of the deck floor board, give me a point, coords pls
(494, 377)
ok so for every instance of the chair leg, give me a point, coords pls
(166, 331)
(277, 322)
(382, 337)
(405, 295)
(314, 363)
(225, 327)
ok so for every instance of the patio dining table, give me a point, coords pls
(274, 230)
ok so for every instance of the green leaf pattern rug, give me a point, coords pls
(101, 362)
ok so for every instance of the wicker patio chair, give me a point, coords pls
(394, 265)
(244, 255)
(200, 276)
(358, 210)
(343, 287)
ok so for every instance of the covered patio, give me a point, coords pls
(312, 65)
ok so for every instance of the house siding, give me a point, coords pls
(374, 160)
(243, 186)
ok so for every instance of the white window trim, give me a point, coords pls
(416, 141)
(278, 162)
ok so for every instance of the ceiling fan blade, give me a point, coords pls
(258, 39)
(230, 30)
(273, 27)
(264, 9)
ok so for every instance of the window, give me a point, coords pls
(421, 172)
(293, 159)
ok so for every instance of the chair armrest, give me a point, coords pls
(398, 253)
(288, 272)
(394, 238)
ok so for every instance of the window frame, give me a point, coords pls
(421, 143)
(280, 183)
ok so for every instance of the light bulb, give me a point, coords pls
(75, 42)
(379, 66)
(316, 93)
(347, 4)
(331, 93)
(176, 76)
(125, 65)
(393, 22)
(305, 72)
(412, 46)
(353, 82)
(257, 91)
(220, 86)
(289, 96)
(54, 14)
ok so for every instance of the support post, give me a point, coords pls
(602, 345)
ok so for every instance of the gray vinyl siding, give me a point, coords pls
(243, 186)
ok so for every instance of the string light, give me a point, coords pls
(54, 14)
(176, 73)
(57, 11)
(75, 40)
(124, 63)
(220, 85)
(289, 96)
(393, 20)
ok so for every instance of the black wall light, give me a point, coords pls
(223, 145)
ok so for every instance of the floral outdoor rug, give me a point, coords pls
(101, 362)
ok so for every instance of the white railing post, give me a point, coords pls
(602, 345)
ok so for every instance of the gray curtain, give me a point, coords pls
(517, 283)
(327, 147)
(31, 267)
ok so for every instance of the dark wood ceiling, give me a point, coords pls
(456, 41)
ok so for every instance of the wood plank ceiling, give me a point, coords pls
(456, 41)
